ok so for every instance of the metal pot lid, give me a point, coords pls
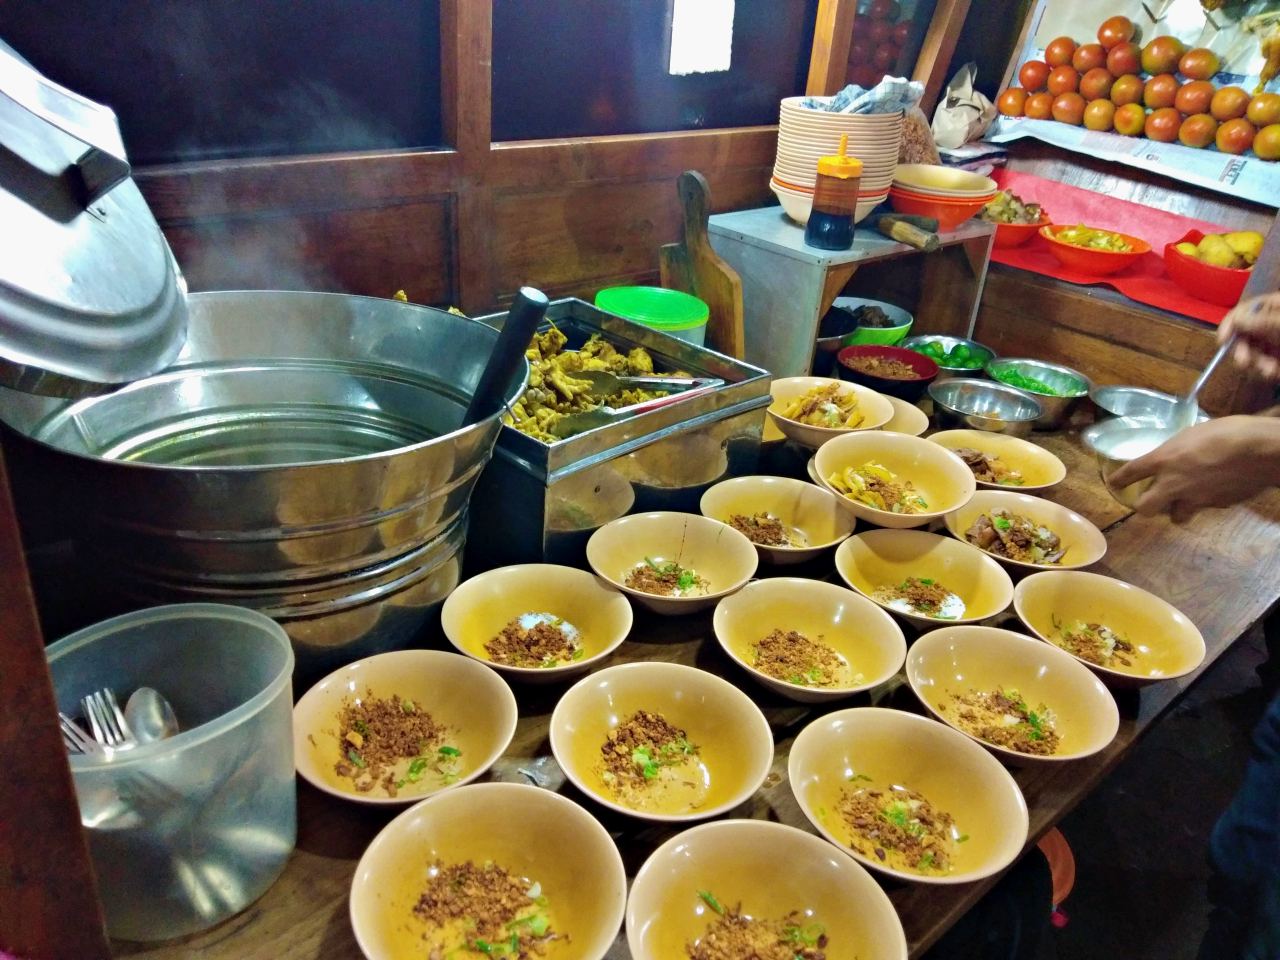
(90, 295)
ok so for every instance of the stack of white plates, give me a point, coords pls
(805, 135)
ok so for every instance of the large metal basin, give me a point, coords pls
(302, 457)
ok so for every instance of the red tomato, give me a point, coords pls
(1034, 74)
(1264, 110)
(1162, 54)
(1069, 108)
(1160, 91)
(1096, 84)
(1194, 97)
(1124, 58)
(1267, 143)
(1198, 130)
(1115, 30)
(1088, 56)
(902, 33)
(1040, 106)
(1129, 119)
(1099, 115)
(885, 56)
(879, 31)
(1229, 103)
(1063, 80)
(883, 10)
(1128, 89)
(1163, 125)
(1235, 136)
(1199, 64)
(1059, 52)
(1013, 102)
(860, 51)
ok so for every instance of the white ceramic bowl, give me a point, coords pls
(801, 507)
(875, 407)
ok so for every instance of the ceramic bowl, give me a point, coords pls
(809, 513)
(534, 834)
(716, 552)
(1168, 643)
(765, 870)
(907, 418)
(734, 744)
(876, 409)
(972, 404)
(474, 704)
(866, 639)
(1039, 469)
(938, 475)
(960, 660)
(478, 609)
(884, 558)
(943, 181)
(869, 748)
(1084, 542)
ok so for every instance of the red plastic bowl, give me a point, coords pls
(1100, 263)
(1016, 234)
(913, 389)
(1204, 281)
(949, 214)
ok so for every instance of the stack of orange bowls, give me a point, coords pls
(951, 196)
(804, 135)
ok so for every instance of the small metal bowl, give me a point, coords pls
(1072, 385)
(1119, 440)
(1135, 402)
(983, 405)
(983, 353)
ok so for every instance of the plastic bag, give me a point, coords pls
(917, 140)
(963, 113)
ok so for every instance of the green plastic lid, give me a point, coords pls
(655, 307)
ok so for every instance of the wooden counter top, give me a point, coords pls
(1222, 570)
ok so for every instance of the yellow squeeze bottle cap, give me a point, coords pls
(840, 165)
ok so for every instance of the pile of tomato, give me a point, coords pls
(878, 38)
(1162, 91)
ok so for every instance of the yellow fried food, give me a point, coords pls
(825, 406)
(876, 486)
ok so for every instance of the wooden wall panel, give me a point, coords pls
(369, 251)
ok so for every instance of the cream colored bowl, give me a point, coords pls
(1168, 643)
(834, 753)
(807, 513)
(735, 746)
(798, 206)
(907, 418)
(534, 834)
(715, 551)
(1084, 542)
(942, 181)
(875, 408)
(884, 558)
(765, 870)
(1040, 469)
(958, 660)
(866, 639)
(470, 700)
(938, 475)
(476, 612)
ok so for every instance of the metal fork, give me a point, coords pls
(107, 720)
(77, 740)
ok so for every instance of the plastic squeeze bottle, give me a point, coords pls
(835, 197)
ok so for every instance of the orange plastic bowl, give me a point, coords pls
(1100, 263)
(1017, 234)
(949, 214)
(1204, 281)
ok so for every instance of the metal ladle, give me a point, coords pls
(150, 716)
(1186, 411)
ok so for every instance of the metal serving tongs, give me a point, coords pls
(606, 384)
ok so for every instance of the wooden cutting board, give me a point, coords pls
(693, 267)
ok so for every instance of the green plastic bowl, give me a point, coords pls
(667, 311)
(881, 336)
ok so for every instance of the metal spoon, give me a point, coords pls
(1186, 411)
(150, 716)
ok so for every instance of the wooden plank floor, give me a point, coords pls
(1222, 570)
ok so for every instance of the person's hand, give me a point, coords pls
(1256, 324)
(1213, 464)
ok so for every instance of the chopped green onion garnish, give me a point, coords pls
(355, 758)
(709, 899)
(450, 752)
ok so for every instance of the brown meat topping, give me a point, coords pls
(375, 734)
(1004, 718)
(762, 528)
(987, 467)
(493, 905)
(545, 644)
(638, 747)
(885, 367)
(665, 579)
(1012, 535)
(899, 822)
(927, 596)
(736, 937)
(793, 657)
